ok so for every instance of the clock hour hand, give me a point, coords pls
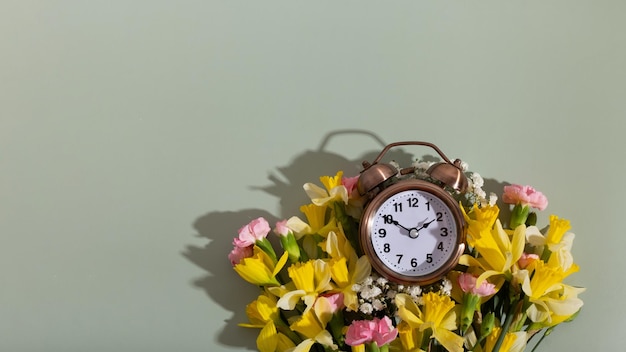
(425, 224)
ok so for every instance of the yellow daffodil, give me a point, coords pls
(409, 339)
(334, 191)
(263, 313)
(270, 340)
(345, 266)
(345, 276)
(309, 279)
(558, 241)
(260, 269)
(437, 314)
(336, 245)
(317, 225)
(512, 342)
(551, 301)
(480, 221)
(558, 228)
(312, 325)
(498, 253)
(316, 221)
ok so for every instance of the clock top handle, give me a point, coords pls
(396, 144)
(448, 173)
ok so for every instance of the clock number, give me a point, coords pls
(439, 216)
(387, 248)
(429, 258)
(414, 262)
(444, 231)
(440, 246)
(382, 233)
(397, 207)
(412, 202)
(388, 219)
(399, 257)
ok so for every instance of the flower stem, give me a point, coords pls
(506, 326)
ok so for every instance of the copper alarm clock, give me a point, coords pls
(412, 229)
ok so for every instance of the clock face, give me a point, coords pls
(413, 234)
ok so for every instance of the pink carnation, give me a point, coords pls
(468, 285)
(377, 330)
(238, 253)
(524, 195)
(256, 230)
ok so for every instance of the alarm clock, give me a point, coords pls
(412, 229)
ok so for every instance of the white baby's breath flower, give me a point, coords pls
(371, 292)
(368, 281)
(391, 294)
(493, 198)
(414, 291)
(395, 164)
(366, 308)
(477, 180)
(446, 287)
(381, 281)
(356, 287)
(378, 305)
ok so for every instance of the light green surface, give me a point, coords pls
(136, 137)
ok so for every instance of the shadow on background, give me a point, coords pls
(221, 283)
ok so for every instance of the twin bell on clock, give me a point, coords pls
(412, 229)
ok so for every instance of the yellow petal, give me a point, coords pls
(267, 339)
(281, 263)
(451, 341)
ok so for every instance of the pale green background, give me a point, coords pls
(138, 136)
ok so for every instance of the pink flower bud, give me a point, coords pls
(524, 195)
(526, 259)
(281, 228)
(335, 300)
(350, 183)
(468, 285)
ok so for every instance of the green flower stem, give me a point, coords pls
(519, 215)
(350, 228)
(545, 256)
(506, 326)
(290, 245)
(426, 340)
(336, 328)
(266, 246)
(545, 333)
(372, 347)
(282, 327)
(470, 303)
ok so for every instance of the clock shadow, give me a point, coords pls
(219, 281)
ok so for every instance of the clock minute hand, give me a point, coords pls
(395, 222)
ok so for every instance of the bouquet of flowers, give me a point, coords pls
(319, 292)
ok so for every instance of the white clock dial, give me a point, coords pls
(414, 233)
